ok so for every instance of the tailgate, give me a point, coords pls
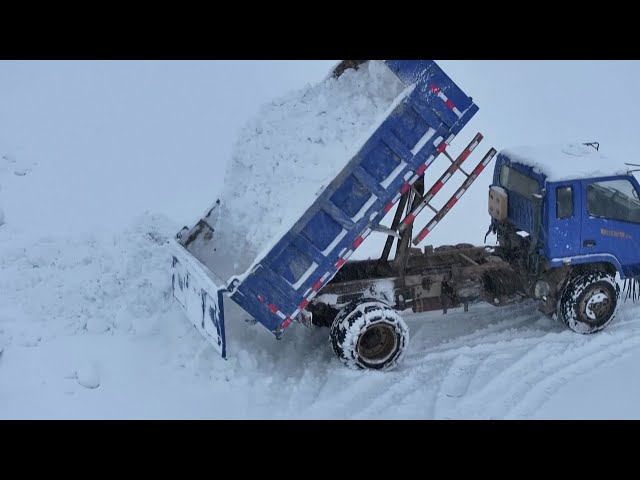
(199, 292)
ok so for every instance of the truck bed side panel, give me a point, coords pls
(393, 158)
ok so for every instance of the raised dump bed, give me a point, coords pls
(299, 261)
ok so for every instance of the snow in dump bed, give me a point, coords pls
(566, 162)
(288, 154)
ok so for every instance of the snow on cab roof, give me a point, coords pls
(566, 162)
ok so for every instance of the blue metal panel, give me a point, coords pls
(321, 230)
(351, 196)
(380, 162)
(410, 71)
(268, 284)
(292, 263)
(581, 260)
(390, 139)
(563, 235)
(366, 179)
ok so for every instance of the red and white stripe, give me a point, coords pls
(412, 177)
(311, 293)
(441, 183)
(426, 231)
(456, 197)
(446, 100)
(286, 320)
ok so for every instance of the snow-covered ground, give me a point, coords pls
(89, 330)
(100, 162)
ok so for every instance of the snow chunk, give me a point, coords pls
(289, 153)
(87, 376)
(566, 162)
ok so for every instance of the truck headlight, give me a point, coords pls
(541, 290)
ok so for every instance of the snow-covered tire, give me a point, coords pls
(369, 334)
(589, 302)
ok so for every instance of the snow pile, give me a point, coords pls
(93, 284)
(566, 162)
(289, 153)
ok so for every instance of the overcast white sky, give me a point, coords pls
(114, 138)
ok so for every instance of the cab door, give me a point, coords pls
(611, 221)
(565, 213)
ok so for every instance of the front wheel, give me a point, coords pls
(589, 302)
(369, 334)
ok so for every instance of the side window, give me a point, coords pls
(614, 200)
(564, 202)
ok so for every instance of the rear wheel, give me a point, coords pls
(589, 302)
(369, 334)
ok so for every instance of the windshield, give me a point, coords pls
(519, 183)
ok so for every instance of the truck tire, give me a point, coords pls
(589, 302)
(369, 335)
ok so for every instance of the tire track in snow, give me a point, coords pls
(577, 363)
(495, 332)
(409, 383)
(502, 389)
(505, 371)
(535, 376)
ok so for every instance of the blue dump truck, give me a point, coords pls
(562, 237)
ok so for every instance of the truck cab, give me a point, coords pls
(566, 212)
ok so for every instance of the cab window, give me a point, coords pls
(564, 202)
(614, 200)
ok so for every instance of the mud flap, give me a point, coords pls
(200, 294)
